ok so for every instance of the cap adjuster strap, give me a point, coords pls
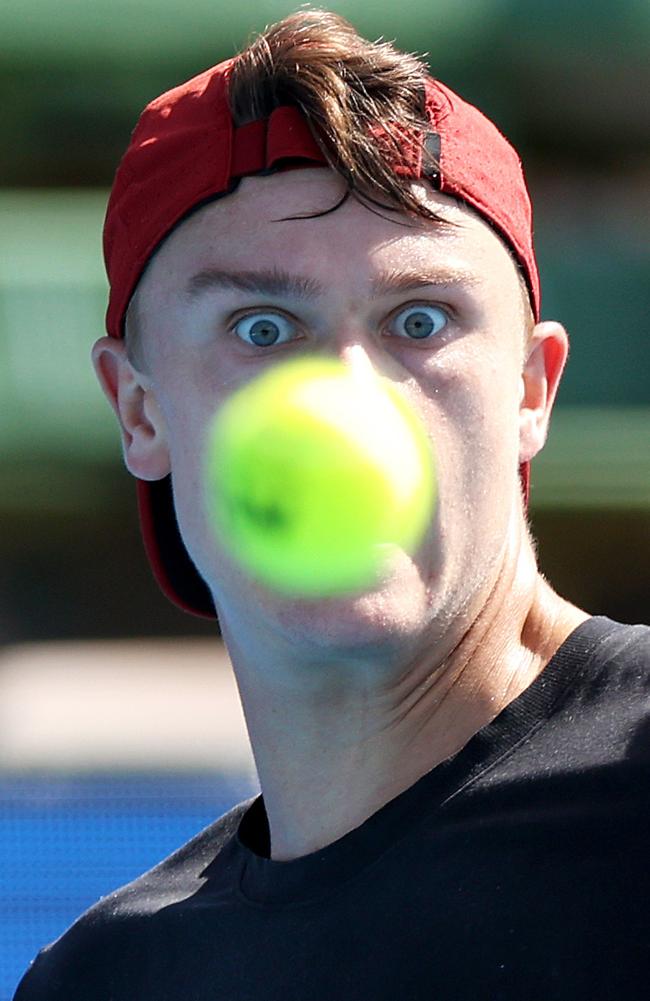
(431, 152)
(261, 145)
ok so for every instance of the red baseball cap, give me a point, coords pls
(186, 151)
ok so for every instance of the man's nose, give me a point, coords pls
(351, 342)
(356, 356)
(364, 356)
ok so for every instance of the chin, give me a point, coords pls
(389, 614)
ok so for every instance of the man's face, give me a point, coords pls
(239, 287)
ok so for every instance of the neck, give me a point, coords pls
(331, 754)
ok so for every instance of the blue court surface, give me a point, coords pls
(65, 841)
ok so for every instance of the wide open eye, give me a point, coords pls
(419, 322)
(264, 329)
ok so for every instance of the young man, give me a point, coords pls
(453, 771)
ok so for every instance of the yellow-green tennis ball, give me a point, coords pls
(314, 471)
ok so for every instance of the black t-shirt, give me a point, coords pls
(517, 870)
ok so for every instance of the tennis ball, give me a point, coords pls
(314, 471)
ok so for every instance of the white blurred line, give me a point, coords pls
(128, 704)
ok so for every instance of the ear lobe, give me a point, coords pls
(133, 400)
(540, 379)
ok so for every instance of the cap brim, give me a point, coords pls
(173, 569)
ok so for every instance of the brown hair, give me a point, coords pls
(348, 89)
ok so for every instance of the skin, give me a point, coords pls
(350, 700)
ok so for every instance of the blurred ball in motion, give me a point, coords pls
(314, 471)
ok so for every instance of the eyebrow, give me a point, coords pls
(408, 280)
(272, 282)
(284, 284)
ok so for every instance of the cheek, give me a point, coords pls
(187, 455)
(189, 488)
(471, 409)
(187, 416)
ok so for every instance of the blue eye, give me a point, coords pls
(264, 329)
(420, 322)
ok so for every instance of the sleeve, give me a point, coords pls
(77, 967)
(35, 982)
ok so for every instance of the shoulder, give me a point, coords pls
(603, 671)
(604, 716)
(104, 944)
(621, 671)
(182, 873)
(620, 653)
(629, 641)
(609, 651)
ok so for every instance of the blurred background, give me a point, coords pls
(120, 731)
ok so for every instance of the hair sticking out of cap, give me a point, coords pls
(364, 101)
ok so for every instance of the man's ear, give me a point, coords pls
(129, 392)
(544, 363)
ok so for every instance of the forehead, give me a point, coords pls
(291, 218)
